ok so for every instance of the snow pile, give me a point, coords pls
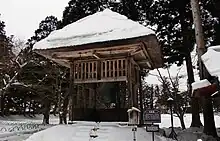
(200, 84)
(99, 27)
(210, 59)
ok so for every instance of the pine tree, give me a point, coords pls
(7, 66)
(46, 26)
(77, 9)
(213, 10)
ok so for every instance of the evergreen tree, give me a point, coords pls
(7, 64)
(174, 27)
(46, 26)
(2, 27)
(41, 76)
(133, 9)
(213, 10)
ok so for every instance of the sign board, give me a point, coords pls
(152, 115)
(152, 128)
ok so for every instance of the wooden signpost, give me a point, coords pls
(152, 128)
(152, 116)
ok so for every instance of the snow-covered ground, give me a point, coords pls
(81, 131)
(19, 128)
(11, 129)
(187, 118)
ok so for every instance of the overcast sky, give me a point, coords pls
(22, 17)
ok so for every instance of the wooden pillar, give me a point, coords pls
(84, 95)
(78, 97)
(134, 93)
(141, 97)
(71, 91)
(129, 83)
(90, 98)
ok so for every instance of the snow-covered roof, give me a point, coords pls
(200, 84)
(211, 60)
(99, 27)
(133, 109)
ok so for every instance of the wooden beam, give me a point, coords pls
(136, 51)
(143, 46)
(101, 59)
(135, 63)
(118, 79)
(89, 52)
(96, 55)
(144, 62)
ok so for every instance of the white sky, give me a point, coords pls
(22, 17)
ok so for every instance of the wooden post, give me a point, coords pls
(141, 97)
(209, 122)
(95, 97)
(71, 90)
(137, 86)
(129, 83)
(78, 97)
(84, 96)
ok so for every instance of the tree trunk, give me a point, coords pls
(63, 114)
(24, 108)
(182, 121)
(186, 44)
(29, 109)
(2, 105)
(46, 112)
(46, 118)
(196, 122)
(209, 122)
(60, 118)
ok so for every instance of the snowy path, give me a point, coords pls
(81, 132)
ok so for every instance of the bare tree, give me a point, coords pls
(170, 88)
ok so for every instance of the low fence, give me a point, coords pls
(15, 127)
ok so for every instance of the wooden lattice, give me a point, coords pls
(85, 70)
(100, 71)
(113, 68)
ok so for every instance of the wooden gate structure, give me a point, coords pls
(96, 66)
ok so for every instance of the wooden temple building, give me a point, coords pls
(105, 53)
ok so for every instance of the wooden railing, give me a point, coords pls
(100, 71)
(85, 70)
(113, 68)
